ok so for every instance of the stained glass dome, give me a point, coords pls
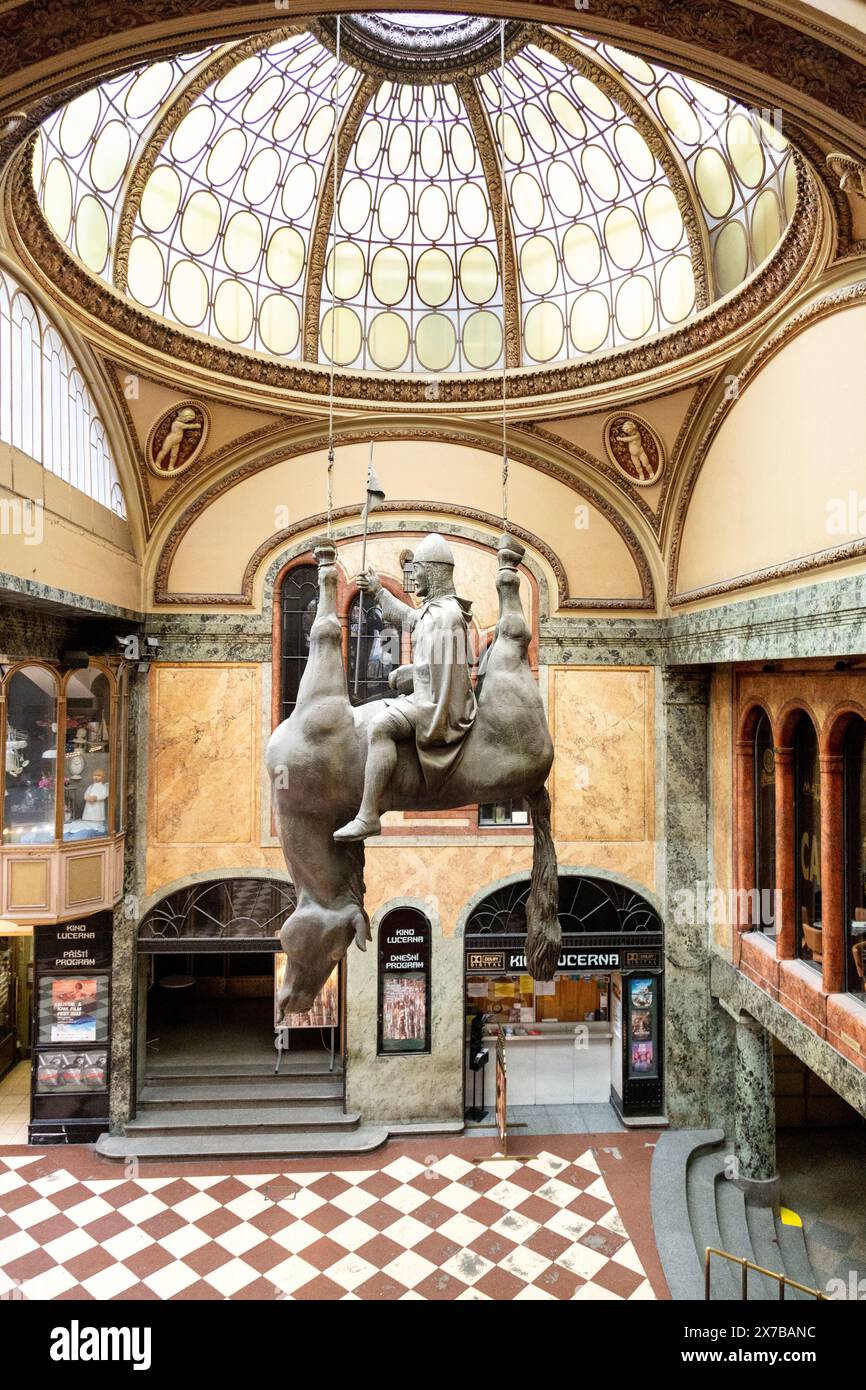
(202, 188)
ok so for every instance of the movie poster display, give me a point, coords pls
(642, 1016)
(501, 1089)
(404, 982)
(73, 1008)
(61, 1072)
(326, 1006)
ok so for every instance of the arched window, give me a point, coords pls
(299, 597)
(46, 410)
(854, 807)
(30, 799)
(807, 842)
(373, 654)
(765, 824)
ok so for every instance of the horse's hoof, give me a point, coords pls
(357, 829)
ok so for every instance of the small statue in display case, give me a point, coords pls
(95, 798)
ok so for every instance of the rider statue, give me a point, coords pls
(435, 702)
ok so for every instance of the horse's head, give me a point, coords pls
(314, 938)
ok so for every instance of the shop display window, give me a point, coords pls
(31, 757)
(765, 825)
(519, 1004)
(855, 857)
(87, 755)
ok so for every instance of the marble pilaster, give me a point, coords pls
(755, 1112)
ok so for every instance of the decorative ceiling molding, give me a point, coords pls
(505, 242)
(366, 45)
(361, 432)
(596, 71)
(317, 250)
(96, 306)
(850, 297)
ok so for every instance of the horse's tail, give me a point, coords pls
(543, 932)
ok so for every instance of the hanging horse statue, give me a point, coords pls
(334, 767)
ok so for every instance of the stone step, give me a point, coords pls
(701, 1177)
(674, 1152)
(281, 1090)
(795, 1253)
(737, 1239)
(186, 1119)
(262, 1144)
(206, 1072)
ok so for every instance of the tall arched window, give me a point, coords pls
(854, 807)
(46, 410)
(807, 842)
(299, 597)
(765, 824)
(374, 653)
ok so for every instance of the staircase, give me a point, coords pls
(242, 1110)
(695, 1205)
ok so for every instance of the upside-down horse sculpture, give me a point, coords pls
(335, 768)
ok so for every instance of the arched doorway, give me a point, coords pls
(595, 1032)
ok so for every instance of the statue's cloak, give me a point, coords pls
(442, 706)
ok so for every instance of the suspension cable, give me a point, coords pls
(502, 267)
(335, 147)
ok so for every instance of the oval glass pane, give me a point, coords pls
(462, 148)
(564, 188)
(635, 306)
(581, 253)
(354, 207)
(541, 132)
(509, 137)
(479, 274)
(766, 225)
(350, 268)
(160, 199)
(369, 144)
(226, 157)
(623, 238)
(388, 341)
(91, 233)
(678, 115)
(285, 257)
(428, 102)
(238, 79)
(389, 275)
(406, 101)
(600, 172)
(187, 293)
(634, 152)
(242, 242)
(261, 177)
(538, 265)
(400, 150)
(631, 65)
(262, 101)
(527, 200)
(714, 183)
(790, 186)
(299, 190)
(434, 277)
(543, 331)
(193, 133)
(590, 320)
(110, 156)
(771, 133)
(145, 273)
(472, 212)
(341, 331)
(745, 150)
(279, 324)
(382, 99)
(663, 217)
(148, 90)
(435, 342)
(79, 122)
(200, 224)
(482, 339)
(290, 117)
(318, 132)
(57, 198)
(677, 289)
(707, 97)
(731, 256)
(393, 214)
(233, 311)
(592, 97)
(566, 114)
(432, 152)
(433, 212)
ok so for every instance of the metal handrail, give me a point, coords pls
(745, 1266)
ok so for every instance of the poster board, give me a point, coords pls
(325, 1010)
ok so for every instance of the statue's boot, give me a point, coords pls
(359, 828)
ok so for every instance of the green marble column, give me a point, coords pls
(755, 1112)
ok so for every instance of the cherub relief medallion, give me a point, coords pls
(634, 448)
(176, 440)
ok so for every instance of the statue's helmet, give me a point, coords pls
(434, 550)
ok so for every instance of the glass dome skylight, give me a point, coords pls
(201, 188)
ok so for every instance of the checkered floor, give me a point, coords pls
(419, 1227)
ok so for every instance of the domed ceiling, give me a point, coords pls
(202, 187)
